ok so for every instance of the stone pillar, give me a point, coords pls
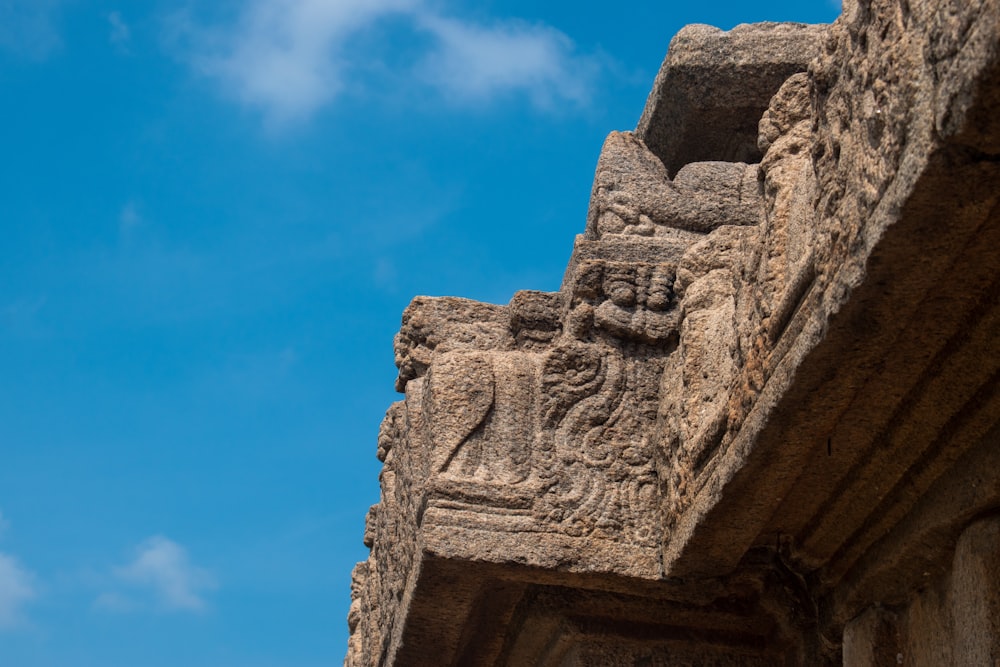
(872, 640)
(975, 598)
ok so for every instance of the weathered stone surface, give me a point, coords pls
(975, 591)
(759, 423)
(713, 87)
(632, 194)
(872, 640)
(442, 324)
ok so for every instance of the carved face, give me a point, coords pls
(621, 288)
(627, 300)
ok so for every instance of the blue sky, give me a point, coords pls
(213, 214)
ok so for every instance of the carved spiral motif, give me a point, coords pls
(571, 373)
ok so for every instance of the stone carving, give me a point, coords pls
(543, 413)
(476, 430)
(548, 418)
(714, 85)
(535, 318)
(438, 325)
(599, 385)
(693, 450)
(633, 195)
(640, 303)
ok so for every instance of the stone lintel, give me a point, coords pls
(474, 534)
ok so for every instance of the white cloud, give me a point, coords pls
(475, 63)
(289, 58)
(120, 34)
(161, 568)
(16, 588)
(27, 27)
(285, 56)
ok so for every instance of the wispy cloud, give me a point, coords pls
(475, 63)
(120, 34)
(28, 27)
(17, 586)
(283, 56)
(290, 58)
(161, 572)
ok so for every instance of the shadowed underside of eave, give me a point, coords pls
(900, 393)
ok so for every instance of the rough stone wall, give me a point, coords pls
(758, 422)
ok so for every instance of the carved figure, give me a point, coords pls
(634, 195)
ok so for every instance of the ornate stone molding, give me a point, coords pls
(758, 420)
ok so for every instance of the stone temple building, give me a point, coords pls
(759, 424)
